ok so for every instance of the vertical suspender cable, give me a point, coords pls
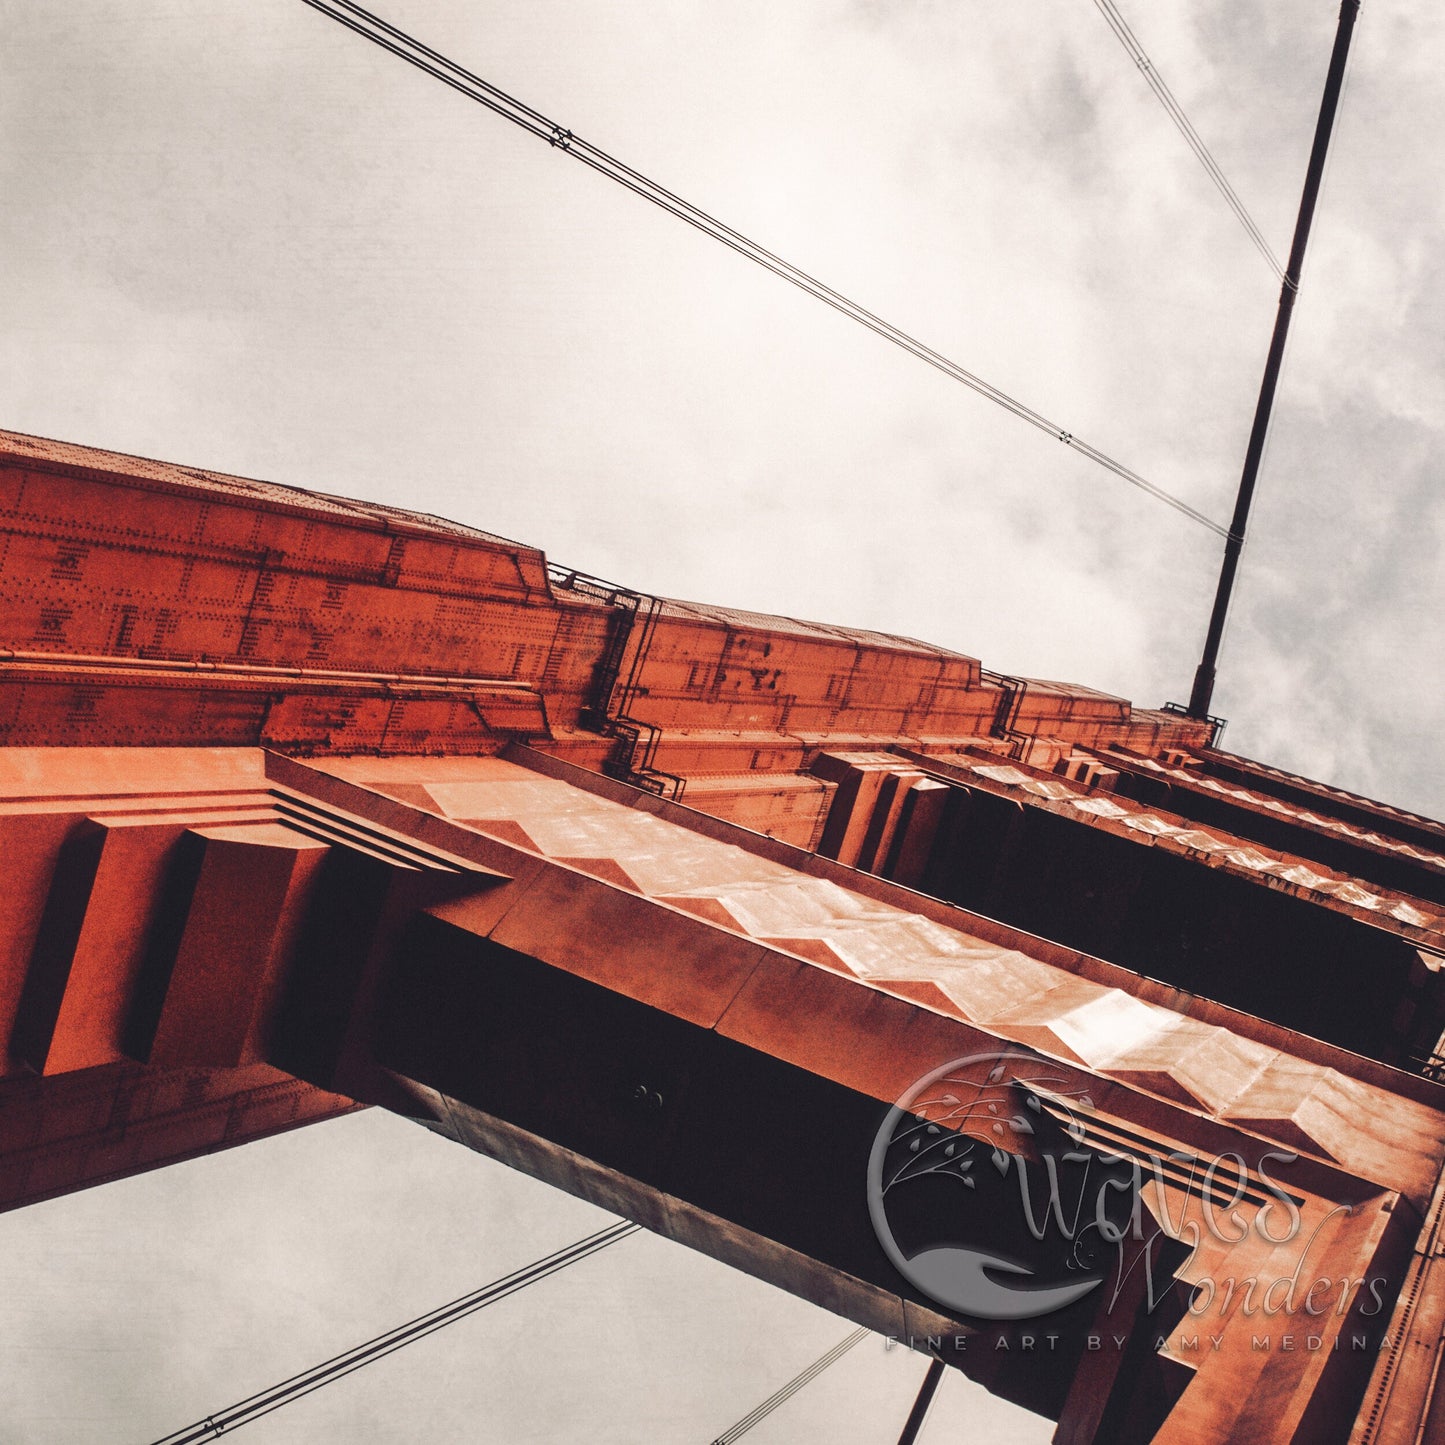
(1203, 691)
(926, 1391)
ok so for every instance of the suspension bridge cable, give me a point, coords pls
(781, 1397)
(380, 32)
(1202, 692)
(1165, 96)
(264, 1402)
(913, 1425)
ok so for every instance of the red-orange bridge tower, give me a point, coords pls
(309, 802)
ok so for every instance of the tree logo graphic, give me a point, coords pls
(983, 1195)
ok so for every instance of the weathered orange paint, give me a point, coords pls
(258, 738)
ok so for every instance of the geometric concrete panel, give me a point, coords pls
(1196, 1063)
(918, 821)
(249, 888)
(90, 991)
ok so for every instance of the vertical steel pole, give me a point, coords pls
(914, 1422)
(1203, 692)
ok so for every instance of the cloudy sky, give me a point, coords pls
(234, 235)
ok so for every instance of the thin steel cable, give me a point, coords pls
(253, 1407)
(781, 1397)
(923, 1405)
(1176, 113)
(1192, 138)
(397, 42)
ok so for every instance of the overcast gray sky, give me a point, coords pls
(232, 234)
